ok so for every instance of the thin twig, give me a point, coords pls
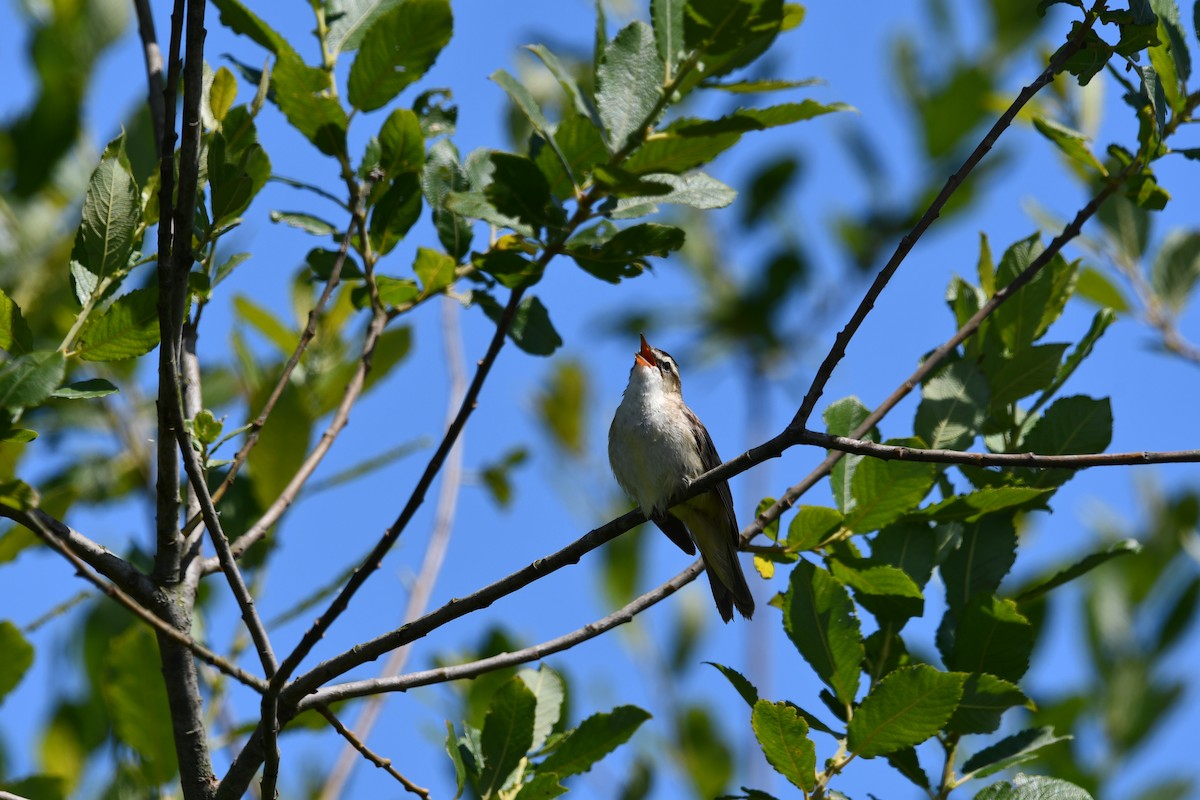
(306, 337)
(357, 743)
(435, 552)
(54, 540)
(1033, 460)
(905, 245)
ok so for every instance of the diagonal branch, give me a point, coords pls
(905, 245)
(358, 744)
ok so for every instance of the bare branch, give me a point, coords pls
(473, 669)
(435, 552)
(1033, 460)
(154, 67)
(838, 351)
(383, 763)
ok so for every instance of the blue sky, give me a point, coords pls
(557, 501)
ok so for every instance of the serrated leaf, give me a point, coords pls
(842, 418)
(580, 145)
(18, 657)
(625, 254)
(730, 35)
(1023, 373)
(397, 50)
(596, 737)
(667, 19)
(885, 590)
(111, 211)
(531, 329)
(954, 403)
(970, 507)
(239, 19)
(29, 380)
(207, 427)
(696, 190)
(394, 214)
(349, 21)
(235, 175)
(985, 698)
(136, 701)
(15, 336)
(673, 153)
(81, 390)
(992, 637)
(743, 686)
(507, 734)
(1010, 751)
(818, 616)
(401, 144)
(907, 545)
(783, 735)
(1070, 426)
(884, 491)
(518, 189)
(1018, 319)
(1081, 567)
(1033, 787)
(907, 707)
(627, 83)
(745, 120)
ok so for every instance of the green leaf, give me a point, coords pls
(954, 403)
(395, 213)
(783, 735)
(885, 590)
(29, 380)
(627, 83)
(266, 323)
(1018, 319)
(985, 554)
(15, 336)
(667, 19)
(883, 491)
(18, 657)
(842, 418)
(818, 616)
(907, 545)
(543, 786)
(563, 406)
(755, 119)
(1019, 375)
(524, 99)
(1088, 59)
(456, 757)
(507, 734)
(508, 267)
(235, 176)
(743, 686)
(401, 144)
(970, 507)
(696, 190)
(904, 709)
(811, 526)
(301, 93)
(1009, 752)
(549, 689)
(434, 269)
(222, 93)
(322, 261)
(239, 19)
(1174, 40)
(442, 175)
(993, 637)
(1071, 426)
(518, 189)
(349, 21)
(761, 86)
(397, 50)
(305, 222)
(985, 698)
(1098, 289)
(596, 737)
(1176, 269)
(531, 329)
(729, 35)
(581, 145)
(282, 444)
(1072, 143)
(136, 700)
(1033, 787)
(81, 390)
(111, 211)
(475, 205)
(579, 101)
(624, 254)
(673, 153)
(1081, 567)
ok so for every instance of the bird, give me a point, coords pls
(656, 447)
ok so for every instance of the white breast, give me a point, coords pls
(650, 444)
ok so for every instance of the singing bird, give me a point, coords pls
(657, 446)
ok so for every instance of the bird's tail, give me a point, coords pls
(729, 597)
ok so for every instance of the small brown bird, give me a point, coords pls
(657, 446)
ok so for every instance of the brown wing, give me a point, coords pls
(710, 459)
(676, 531)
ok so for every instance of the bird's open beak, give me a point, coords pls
(645, 356)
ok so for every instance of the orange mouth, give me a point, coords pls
(645, 356)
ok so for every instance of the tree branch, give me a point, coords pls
(431, 565)
(355, 742)
(892, 453)
(838, 351)
(154, 68)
